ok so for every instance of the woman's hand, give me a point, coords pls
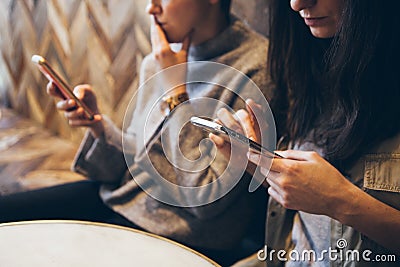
(166, 58)
(162, 50)
(301, 181)
(244, 122)
(75, 115)
(305, 181)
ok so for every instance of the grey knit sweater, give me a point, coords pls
(221, 224)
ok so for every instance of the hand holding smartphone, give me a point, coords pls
(55, 78)
(219, 129)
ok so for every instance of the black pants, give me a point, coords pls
(77, 201)
(73, 201)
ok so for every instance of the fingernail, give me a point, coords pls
(97, 117)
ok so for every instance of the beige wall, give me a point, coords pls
(254, 13)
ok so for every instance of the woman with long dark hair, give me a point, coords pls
(335, 69)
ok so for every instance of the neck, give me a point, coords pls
(210, 27)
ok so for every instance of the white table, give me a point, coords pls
(76, 243)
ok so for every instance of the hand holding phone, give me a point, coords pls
(55, 78)
(219, 129)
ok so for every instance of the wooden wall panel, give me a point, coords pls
(91, 41)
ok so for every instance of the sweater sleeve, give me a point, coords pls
(190, 171)
(102, 159)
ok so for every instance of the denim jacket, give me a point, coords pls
(378, 174)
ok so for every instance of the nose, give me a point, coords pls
(298, 5)
(153, 8)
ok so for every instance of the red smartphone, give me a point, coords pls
(65, 90)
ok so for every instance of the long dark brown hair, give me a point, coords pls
(226, 7)
(346, 90)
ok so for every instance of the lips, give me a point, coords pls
(315, 22)
(159, 22)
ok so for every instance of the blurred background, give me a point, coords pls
(100, 42)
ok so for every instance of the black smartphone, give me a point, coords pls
(219, 129)
(55, 78)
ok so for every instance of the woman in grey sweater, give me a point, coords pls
(218, 212)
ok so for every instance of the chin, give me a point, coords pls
(323, 34)
(171, 38)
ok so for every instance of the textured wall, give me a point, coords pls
(91, 41)
(101, 42)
